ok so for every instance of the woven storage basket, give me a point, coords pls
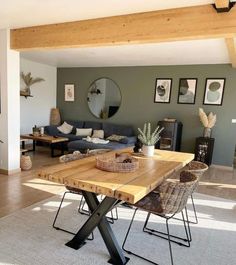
(55, 117)
(25, 162)
(112, 163)
(197, 168)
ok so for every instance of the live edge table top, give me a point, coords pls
(129, 187)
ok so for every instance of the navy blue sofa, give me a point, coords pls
(76, 142)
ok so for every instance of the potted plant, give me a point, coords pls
(207, 121)
(29, 81)
(149, 138)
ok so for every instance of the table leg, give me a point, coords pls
(62, 148)
(52, 150)
(23, 144)
(34, 143)
(98, 219)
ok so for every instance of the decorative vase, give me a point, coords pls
(148, 150)
(25, 162)
(55, 117)
(207, 132)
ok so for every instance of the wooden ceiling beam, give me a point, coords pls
(231, 46)
(222, 3)
(189, 23)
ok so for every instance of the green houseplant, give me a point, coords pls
(149, 138)
(28, 81)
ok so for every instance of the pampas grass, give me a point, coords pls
(207, 121)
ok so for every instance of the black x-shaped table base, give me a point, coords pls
(98, 219)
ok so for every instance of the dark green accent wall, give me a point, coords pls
(137, 88)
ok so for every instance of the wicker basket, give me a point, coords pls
(25, 162)
(114, 163)
(55, 117)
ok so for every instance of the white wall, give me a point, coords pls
(36, 110)
(10, 107)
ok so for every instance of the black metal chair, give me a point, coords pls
(81, 210)
(166, 201)
(198, 168)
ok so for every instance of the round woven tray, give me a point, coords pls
(114, 163)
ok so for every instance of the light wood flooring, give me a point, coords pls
(24, 189)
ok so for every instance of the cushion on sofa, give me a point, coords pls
(65, 128)
(84, 145)
(128, 140)
(84, 131)
(110, 129)
(115, 137)
(51, 130)
(70, 136)
(98, 134)
(93, 124)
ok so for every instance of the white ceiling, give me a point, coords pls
(173, 53)
(24, 13)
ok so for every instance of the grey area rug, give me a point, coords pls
(27, 236)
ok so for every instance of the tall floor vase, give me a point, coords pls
(55, 117)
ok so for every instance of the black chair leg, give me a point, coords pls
(195, 212)
(169, 241)
(58, 211)
(181, 241)
(136, 255)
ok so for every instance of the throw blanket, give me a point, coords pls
(96, 140)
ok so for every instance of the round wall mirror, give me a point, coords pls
(104, 98)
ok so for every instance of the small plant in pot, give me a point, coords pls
(149, 138)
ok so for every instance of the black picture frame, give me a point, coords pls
(188, 96)
(163, 87)
(214, 96)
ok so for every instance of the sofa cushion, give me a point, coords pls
(51, 130)
(110, 129)
(98, 134)
(115, 137)
(93, 124)
(84, 131)
(84, 145)
(128, 140)
(70, 136)
(65, 128)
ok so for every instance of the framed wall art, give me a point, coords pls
(187, 90)
(214, 91)
(69, 92)
(163, 90)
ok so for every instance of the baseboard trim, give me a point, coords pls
(9, 172)
(222, 167)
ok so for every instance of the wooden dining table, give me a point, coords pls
(128, 187)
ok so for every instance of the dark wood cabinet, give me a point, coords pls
(170, 137)
(204, 149)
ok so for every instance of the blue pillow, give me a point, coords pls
(128, 140)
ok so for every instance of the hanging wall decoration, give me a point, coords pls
(187, 90)
(28, 81)
(69, 92)
(163, 90)
(214, 91)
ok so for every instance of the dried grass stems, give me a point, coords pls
(207, 121)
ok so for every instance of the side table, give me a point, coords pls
(204, 149)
